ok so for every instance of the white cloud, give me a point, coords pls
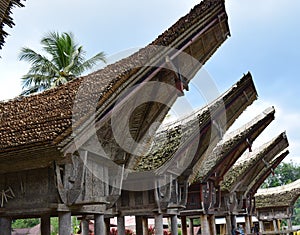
(284, 121)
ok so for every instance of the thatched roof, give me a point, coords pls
(232, 147)
(257, 180)
(5, 16)
(282, 196)
(36, 125)
(175, 143)
(250, 164)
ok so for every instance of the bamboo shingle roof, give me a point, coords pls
(232, 146)
(5, 16)
(264, 173)
(38, 126)
(175, 141)
(250, 164)
(282, 196)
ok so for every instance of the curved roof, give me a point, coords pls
(5, 16)
(233, 146)
(181, 134)
(264, 173)
(250, 164)
(282, 196)
(42, 123)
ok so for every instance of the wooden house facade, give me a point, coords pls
(74, 149)
(276, 204)
(48, 149)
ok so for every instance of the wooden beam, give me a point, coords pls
(99, 226)
(121, 225)
(84, 226)
(139, 225)
(174, 225)
(64, 223)
(145, 226)
(5, 226)
(158, 224)
(45, 224)
(183, 225)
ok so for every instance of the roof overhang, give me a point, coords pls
(188, 139)
(250, 165)
(282, 196)
(232, 147)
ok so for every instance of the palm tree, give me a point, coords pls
(65, 61)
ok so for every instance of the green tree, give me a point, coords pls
(64, 60)
(296, 218)
(25, 223)
(284, 174)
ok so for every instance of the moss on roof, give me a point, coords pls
(282, 196)
(264, 173)
(170, 138)
(235, 140)
(46, 118)
(249, 162)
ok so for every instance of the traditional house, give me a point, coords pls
(237, 180)
(276, 204)
(205, 196)
(177, 151)
(60, 147)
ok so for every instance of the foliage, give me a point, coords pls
(54, 225)
(25, 223)
(64, 60)
(296, 219)
(75, 225)
(285, 173)
(167, 232)
(151, 230)
(114, 231)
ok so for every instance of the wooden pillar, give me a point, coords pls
(174, 225)
(275, 225)
(229, 227)
(204, 224)
(279, 224)
(139, 225)
(145, 225)
(191, 226)
(107, 226)
(289, 223)
(45, 225)
(212, 225)
(261, 226)
(99, 225)
(233, 221)
(64, 223)
(5, 226)
(121, 225)
(247, 224)
(183, 225)
(159, 224)
(84, 226)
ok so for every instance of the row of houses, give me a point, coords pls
(97, 147)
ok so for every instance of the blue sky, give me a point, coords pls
(265, 41)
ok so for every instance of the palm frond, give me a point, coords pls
(89, 64)
(66, 61)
